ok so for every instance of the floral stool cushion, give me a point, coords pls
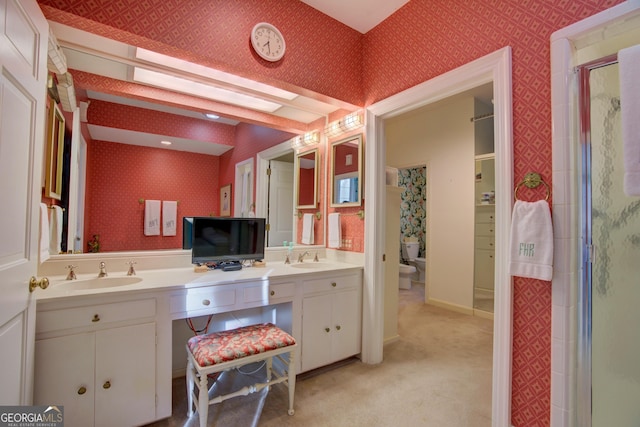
(224, 346)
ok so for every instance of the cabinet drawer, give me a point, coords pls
(483, 242)
(485, 215)
(484, 269)
(265, 292)
(92, 315)
(485, 229)
(331, 283)
(202, 299)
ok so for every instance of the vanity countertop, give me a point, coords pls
(180, 278)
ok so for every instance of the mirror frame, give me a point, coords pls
(332, 183)
(55, 152)
(297, 169)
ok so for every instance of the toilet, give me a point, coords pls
(410, 252)
(407, 273)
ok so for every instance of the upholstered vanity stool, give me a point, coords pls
(221, 351)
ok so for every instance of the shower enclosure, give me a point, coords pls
(609, 293)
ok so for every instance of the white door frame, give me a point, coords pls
(496, 68)
(241, 168)
(262, 186)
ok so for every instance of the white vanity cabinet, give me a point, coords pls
(99, 362)
(331, 319)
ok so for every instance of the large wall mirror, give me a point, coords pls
(307, 179)
(346, 172)
(98, 112)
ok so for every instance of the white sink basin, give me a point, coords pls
(97, 283)
(309, 265)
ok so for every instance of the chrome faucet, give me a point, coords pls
(103, 270)
(72, 274)
(131, 271)
(302, 255)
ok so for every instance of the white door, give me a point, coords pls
(280, 203)
(23, 61)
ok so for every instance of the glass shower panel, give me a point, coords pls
(615, 270)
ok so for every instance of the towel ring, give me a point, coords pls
(531, 180)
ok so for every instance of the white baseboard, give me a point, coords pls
(450, 306)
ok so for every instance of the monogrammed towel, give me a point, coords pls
(531, 240)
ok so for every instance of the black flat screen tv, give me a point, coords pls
(218, 240)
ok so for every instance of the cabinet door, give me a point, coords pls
(345, 327)
(316, 331)
(64, 375)
(125, 376)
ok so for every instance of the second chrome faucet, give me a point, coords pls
(103, 270)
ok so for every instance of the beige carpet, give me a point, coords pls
(437, 374)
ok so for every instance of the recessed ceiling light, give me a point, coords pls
(165, 142)
(211, 116)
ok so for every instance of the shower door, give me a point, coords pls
(609, 298)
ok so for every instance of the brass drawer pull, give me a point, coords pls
(106, 385)
(82, 390)
(334, 284)
(96, 318)
(337, 327)
(327, 330)
(273, 293)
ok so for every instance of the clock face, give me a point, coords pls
(267, 41)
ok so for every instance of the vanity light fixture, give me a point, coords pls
(179, 84)
(165, 142)
(348, 123)
(305, 140)
(212, 73)
(211, 116)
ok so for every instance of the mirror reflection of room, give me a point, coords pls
(346, 172)
(307, 175)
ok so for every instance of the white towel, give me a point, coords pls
(152, 217)
(169, 218)
(55, 230)
(532, 240)
(335, 232)
(629, 68)
(307, 229)
(44, 232)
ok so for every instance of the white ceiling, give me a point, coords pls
(361, 15)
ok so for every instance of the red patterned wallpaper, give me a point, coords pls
(323, 55)
(118, 175)
(423, 39)
(249, 140)
(142, 120)
(427, 38)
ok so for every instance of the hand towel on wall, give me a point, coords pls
(629, 69)
(44, 232)
(335, 232)
(55, 230)
(531, 240)
(152, 217)
(307, 229)
(169, 218)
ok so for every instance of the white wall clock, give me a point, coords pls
(267, 41)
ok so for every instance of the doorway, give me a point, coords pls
(283, 154)
(496, 68)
